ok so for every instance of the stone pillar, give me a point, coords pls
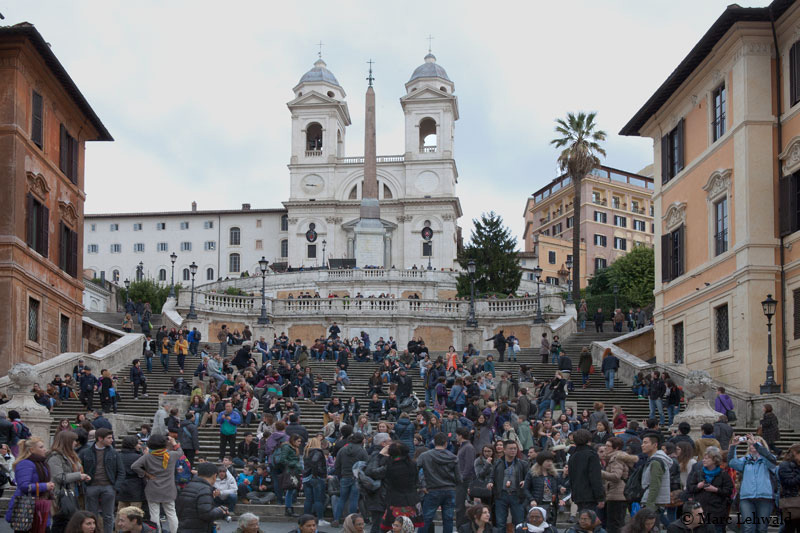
(387, 251)
(263, 330)
(472, 336)
(699, 410)
(32, 414)
(350, 247)
(178, 401)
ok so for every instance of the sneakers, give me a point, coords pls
(145, 395)
(323, 523)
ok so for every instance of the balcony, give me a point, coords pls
(428, 149)
(313, 153)
(600, 201)
(379, 159)
(636, 210)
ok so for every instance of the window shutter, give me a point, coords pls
(37, 119)
(796, 308)
(681, 260)
(794, 73)
(665, 159)
(44, 230)
(679, 138)
(29, 220)
(63, 150)
(788, 204)
(72, 265)
(666, 257)
(73, 175)
(62, 247)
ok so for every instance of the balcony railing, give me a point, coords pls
(721, 242)
(313, 153)
(380, 159)
(637, 210)
(599, 201)
(428, 149)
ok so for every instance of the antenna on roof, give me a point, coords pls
(430, 38)
(320, 49)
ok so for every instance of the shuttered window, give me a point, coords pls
(37, 225)
(68, 155)
(794, 73)
(673, 254)
(796, 304)
(68, 250)
(672, 152)
(37, 119)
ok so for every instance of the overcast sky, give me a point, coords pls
(195, 93)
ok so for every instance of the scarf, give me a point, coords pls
(408, 525)
(164, 454)
(541, 527)
(42, 472)
(709, 475)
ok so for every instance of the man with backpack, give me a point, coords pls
(19, 431)
(348, 455)
(655, 477)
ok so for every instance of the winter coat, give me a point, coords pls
(525, 435)
(615, 473)
(187, 436)
(756, 481)
(61, 469)
(161, 488)
(609, 363)
(401, 482)
(585, 476)
(498, 476)
(111, 460)
(769, 428)
(723, 432)
(535, 482)
(482, 437)
(195, 507)
(544, 348)
(132, 488)
(715, 504)
(439, 469)
(656, 472)
(789, 476)
(27, 482)
(483, 469)
(404, 432)
(375, 469)
(585, 362)
(349, 455)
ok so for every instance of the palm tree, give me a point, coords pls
(580, 146)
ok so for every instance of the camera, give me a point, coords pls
(742, 439)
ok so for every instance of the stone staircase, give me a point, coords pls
(311, 414)
(114, 320)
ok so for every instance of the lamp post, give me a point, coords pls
(769, 386)
(472, 322)
(569, 284)
(616, 290)
(262, 264)
(172, 257)
(538, 273)
(324, 243)
(140, 271)
(191, 314)
(127, 288)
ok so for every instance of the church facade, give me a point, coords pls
(419, 208)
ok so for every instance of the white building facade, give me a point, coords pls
(417, 189)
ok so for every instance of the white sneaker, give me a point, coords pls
(323, 523)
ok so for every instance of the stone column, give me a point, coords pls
(32, 414)
(350, 246)
(387, 251)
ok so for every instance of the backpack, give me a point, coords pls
(365, 483)
(183, 471)
(21, 430)
(197, 336)
(633, 490)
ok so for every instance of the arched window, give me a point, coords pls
(285, 223)
(387, 192)
(209, 274)
(186, 274)
(314, 137)
(115, 276)
(353, 193)
(234, 263)
(285, 248)
(236, 236)
(427, 135)
(162, 274)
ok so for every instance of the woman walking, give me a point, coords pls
(402, 499)
(33, 479)
(288, 459)
(65, 471)
(585, 365)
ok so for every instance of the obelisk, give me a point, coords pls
(369, 232)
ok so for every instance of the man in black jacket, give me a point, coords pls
(104, 465)
(6, 430)
(507, 487)
(656, 395)
(585, 473)
(404, 386)
(195, 503)
(499, 344)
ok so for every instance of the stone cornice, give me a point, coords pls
(675, 215)
(791, 156)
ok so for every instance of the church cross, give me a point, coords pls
(430, 38)
(370, 79)
(320, 49)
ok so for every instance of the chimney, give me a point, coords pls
(194, 206)
(245, 207)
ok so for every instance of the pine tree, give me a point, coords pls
(494, 251)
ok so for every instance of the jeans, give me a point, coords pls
(584, 378)
(610, 379)
(553, 358)
(544, 405)
(193, 347)
(756, 510)
(583, 325)
(223, 349)
(181, 360)
(169, 510)
(149, 361)
(430, 395)
(348, 494)
(502, 505)
(315, 497)
(289, 498)
(228, 501)
(102, 497)
(672, 410)
(136, 385)
(446, 498)
(657, 404)
(165, 361)
(461, 497)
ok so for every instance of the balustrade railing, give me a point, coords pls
(313, 153)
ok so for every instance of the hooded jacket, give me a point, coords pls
(404, 432)
(756, 472)
(656, 477)
(617, 469)
(347, 457)
(715, 504)
(535, 482)
(440, 469)
(585, 476)
(195, 507)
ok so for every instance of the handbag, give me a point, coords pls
(731, 415)
(24, 511)
(478, 489)
(289, 481)
(591, 369)
(790, 508)
(66, 500)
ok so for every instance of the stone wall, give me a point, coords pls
(307, 332)
(447, 294)
(642, 345)
(435, 337)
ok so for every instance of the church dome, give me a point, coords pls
(429, 69)
(319, 73)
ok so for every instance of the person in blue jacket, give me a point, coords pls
(756, 493)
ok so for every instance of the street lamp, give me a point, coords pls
(324, 243)
(262, 264)
(472, 322)
(769, 386)
(173, 257)
(140, 271)
(538, 273)
(616, 290)
(569, 284)
(191, 314)
(127, 284)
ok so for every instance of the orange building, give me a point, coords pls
(726, 131)
(616, 215)
(45, 122)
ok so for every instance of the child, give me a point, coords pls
(144, 434)
(260, 486)
(245, 482)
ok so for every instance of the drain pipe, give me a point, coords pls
(780, 177)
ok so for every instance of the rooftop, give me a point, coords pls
(185, 213)
(429, 69)
(610, 174)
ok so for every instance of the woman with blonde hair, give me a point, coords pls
(127, 323)
(66, 471)
(33, 479)
(315, 473)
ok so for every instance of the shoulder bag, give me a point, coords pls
(24, 511)
(66, 499)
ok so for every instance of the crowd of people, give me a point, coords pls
(488, 448)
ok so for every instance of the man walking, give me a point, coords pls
(598, 320)
(499, 344)
(348, 455)
(138, 379)
(544, 348)
(506, 483)
(609, 368)
(88, 384)
(104, 466)
(585, 473)
(466, 466)
(440, 477)
(656, 395)
(222, 337)
(195, 504)
(229, 421)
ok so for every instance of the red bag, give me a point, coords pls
(591, 369)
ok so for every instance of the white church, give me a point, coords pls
(419, 209)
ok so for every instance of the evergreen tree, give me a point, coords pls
(494, 251)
